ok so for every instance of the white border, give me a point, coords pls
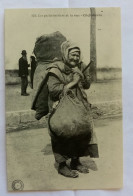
(127, 66)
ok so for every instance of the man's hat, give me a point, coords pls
(23, 52)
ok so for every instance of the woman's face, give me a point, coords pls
(73, 58)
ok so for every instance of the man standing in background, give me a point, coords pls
(33, 67)
(23, 72)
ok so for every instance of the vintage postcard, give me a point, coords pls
(63, 80)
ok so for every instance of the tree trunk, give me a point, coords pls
(93, 72)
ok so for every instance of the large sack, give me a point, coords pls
(71, 118)
(47, 50)
(47, 47)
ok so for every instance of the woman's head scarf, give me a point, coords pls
(66, 47)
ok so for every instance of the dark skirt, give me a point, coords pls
(65, 149)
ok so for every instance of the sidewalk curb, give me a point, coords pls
(19, 120)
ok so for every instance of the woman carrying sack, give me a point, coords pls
(70, 121)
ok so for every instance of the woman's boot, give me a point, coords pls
(65, 171)
(76, 165)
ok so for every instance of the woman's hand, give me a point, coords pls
(76, 70)
(76, 79)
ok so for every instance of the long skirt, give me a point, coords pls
(65, 149)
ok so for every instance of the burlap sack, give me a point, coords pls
(47, 47)
(71, 118)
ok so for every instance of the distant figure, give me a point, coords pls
(33, 67)
(23, 72)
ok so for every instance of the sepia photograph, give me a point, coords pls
(63, 91)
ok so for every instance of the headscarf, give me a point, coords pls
(66, 47)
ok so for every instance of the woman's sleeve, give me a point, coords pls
(55, 87)
(86, 82)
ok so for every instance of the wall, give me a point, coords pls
(11, 76)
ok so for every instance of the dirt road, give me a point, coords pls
(30, 159)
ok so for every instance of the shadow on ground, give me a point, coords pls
(87, 161)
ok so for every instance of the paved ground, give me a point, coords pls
(108, 90)
(30, 159)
